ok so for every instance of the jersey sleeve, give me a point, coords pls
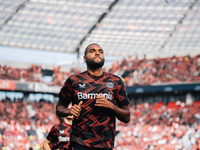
(121, 96)
(66, 92)
(54, 145)
(53, 138)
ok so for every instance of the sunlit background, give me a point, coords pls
(153, 45)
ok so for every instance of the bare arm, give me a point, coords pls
(62, 110)
(122, 113)
(46, 145)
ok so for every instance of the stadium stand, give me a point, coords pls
(175, 126)
(21, 129)
(172, 125)
(160, 45)
(169, 70)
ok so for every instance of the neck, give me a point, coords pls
(69, 122)
(95, 72)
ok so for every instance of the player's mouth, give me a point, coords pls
(97, 58)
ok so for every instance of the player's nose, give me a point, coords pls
(97, 53)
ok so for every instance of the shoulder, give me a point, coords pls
(74, 77)
(55, 127)
(77, 75)
(115, 77)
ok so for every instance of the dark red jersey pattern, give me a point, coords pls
(59, 136)
(95, 127)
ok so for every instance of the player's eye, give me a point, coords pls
(92, 50)
(101, 51)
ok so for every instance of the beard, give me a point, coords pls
(94, 65)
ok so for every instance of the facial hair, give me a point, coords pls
(94, 65)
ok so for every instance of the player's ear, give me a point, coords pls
(84, 58)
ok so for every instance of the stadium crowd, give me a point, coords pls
(24, 125)
(175, 126)
(34, 73)
(158, 71)
(133, 71)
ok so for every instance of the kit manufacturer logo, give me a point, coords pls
(82, 85)
(61, 131)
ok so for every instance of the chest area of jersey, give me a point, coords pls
(63, 133)
(89, 90)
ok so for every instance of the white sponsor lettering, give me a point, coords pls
(63, 139)
(93, 95)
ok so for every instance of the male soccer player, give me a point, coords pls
(97, 99)
(59, 135)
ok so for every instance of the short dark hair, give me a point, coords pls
(89, 46)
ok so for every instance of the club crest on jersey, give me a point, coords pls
(110, 84)
(81, 85)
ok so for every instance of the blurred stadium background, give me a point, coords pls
(154, 45)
